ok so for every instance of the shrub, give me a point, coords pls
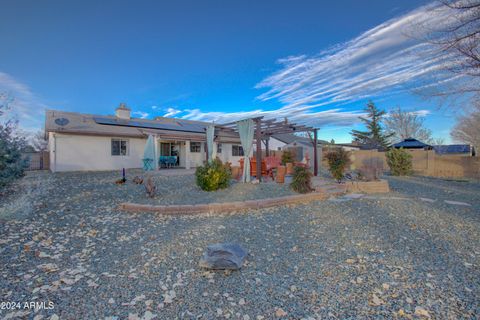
(371, 169)
(302, 179)
(213, 176)
(287, 157)
(399, 161)
(338, 160)
(12, 164)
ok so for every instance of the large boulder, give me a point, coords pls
(222, 256)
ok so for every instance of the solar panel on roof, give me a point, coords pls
(185, 127)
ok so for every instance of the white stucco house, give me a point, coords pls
(79, 141)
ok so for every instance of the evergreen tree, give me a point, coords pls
(12, 164)
(374, 135)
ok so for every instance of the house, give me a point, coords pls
(411, 143)
(455, 149)
(79, 141)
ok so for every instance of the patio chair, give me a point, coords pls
(272, 163)
(172, 161)
(162, 161)
(147, 164)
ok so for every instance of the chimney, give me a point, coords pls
(122, 112)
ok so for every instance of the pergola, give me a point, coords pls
(265, 128)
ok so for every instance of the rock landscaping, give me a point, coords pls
(223, 256)
(412, 252)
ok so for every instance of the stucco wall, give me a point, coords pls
(80, 153)
(274, 144)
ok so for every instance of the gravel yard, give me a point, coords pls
(406, 253)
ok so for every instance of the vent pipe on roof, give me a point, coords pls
(122, 112)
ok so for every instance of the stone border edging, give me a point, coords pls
(224, 207)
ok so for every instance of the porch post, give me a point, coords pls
(156, 152)
(258, 134)
(187, 154)
(315, 152)
(206, 151)
(267, 149)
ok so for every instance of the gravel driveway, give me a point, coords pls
(406, 253)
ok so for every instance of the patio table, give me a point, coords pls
(147, 164)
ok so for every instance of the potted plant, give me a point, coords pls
(287, 160)
(280, 174)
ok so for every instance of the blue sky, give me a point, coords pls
(312, 61)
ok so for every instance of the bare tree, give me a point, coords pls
(405, 124)
(456, 42)
(437, 141)
(38, 141)
(467, 129)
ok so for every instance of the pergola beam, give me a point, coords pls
(265, 128)
(258, 135)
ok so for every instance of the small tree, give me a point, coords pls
(338, 161)
(399, 161)
(38, 141)
(12, 165)
(403, 124)
(374, 135)
(287, 157)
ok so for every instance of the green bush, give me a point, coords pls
(213, 176)
(302, 180)
(399, 161)
(12, 165)
(338, 161)
(287, 157)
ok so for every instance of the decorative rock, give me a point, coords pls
(280, 313)
(222, 256)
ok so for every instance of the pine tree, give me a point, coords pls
(374, 135)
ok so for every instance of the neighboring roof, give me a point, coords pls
(88, 124)
(411, 143)
(453, 148)
(288, 138)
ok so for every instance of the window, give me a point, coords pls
(237, 151)
(219, 148)
(195, 146)
(119, 147)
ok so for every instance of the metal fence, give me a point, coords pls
(37, 160)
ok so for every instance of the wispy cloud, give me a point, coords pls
(172, 112)
(380, 63)
(338, 117)
(26, 106)
(383, 61)
(141, 114)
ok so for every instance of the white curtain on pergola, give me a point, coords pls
(245, 130)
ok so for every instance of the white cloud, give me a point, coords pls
(338, 117)
(26, 106)
(171, 112)
(141, 114)
(381, 62)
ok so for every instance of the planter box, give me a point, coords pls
(380, 186)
